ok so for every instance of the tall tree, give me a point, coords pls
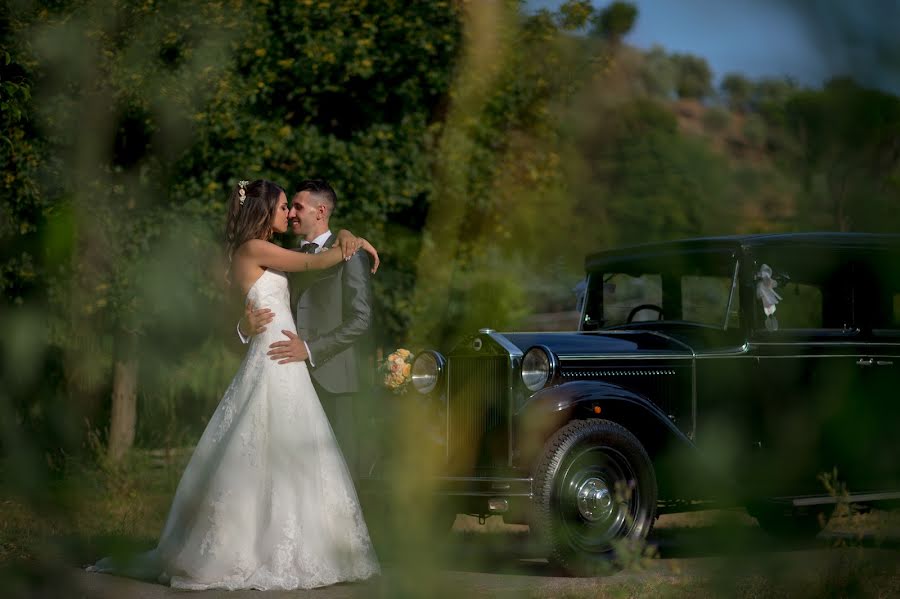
(574, 14)
(615, 21)
(23, 211)
(694, 78)
(658, 73)
(500, 199)
(848, 154)
(131, 76)
(737, 90)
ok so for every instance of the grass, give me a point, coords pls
(716, 553)
(91, 512)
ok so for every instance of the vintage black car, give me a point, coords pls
(719, 371)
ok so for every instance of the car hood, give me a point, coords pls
(606, 342)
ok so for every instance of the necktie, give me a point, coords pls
(309, 248)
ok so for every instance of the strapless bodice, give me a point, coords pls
(271, 291)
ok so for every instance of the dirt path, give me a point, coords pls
(695, 558)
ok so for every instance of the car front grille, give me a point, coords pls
(478, 411)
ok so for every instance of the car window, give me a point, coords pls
(623, 292)
(691, 287)
(801, 290)
(879, 276)
(800, 306)
(705, 299)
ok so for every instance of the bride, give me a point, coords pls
(266, 501)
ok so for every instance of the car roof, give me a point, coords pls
(735, 242)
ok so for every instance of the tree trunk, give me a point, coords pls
(124, 398)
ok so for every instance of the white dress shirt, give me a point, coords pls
(319, 241)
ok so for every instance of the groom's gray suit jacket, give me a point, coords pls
(334, 317)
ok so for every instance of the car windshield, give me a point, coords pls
(687, 287)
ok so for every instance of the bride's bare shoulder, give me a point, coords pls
(252, 247)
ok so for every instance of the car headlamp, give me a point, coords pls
(426, 371)
(537, 368)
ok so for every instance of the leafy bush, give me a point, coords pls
(716, 119)
(754, 131)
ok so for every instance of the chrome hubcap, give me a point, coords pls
(595, 502)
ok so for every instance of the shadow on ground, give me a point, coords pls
(726, 534)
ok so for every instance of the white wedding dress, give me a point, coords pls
(266, 501)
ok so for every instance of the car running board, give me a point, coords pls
(851, 498)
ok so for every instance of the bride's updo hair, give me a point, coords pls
(250, 212)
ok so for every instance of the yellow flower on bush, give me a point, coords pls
(396, 370)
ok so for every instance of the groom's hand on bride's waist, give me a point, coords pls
(290, 350)
(255, 320)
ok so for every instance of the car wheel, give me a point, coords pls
(593, 485)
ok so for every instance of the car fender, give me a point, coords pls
(549, 409)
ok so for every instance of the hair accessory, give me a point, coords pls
(242, 191)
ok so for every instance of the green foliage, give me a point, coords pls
(575, 14)
(769, 99)
(658, 73)
(737, 90)
(177, 397)
(499, 187)
(772, 92)
(148, 113)
(847, 155)
(484, 151)
(350, 92)
(693, 76)
(647, 178)
(182, 102)
(716, 119)
(616, 20)
(24, 205)
(669, 188)
(469, 141)
(754, 131)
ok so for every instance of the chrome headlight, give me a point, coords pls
(426, 371)
(537, 368)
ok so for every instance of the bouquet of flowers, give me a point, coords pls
(396, 370)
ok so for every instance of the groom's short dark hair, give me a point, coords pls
(322, 190)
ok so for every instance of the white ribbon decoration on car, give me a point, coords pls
(765, 291)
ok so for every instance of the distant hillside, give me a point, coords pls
(768, 201)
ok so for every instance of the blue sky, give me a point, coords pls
(808, 40)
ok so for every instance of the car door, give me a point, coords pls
(805, 366)
(876, 412)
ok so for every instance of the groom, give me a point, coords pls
(334, 317)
